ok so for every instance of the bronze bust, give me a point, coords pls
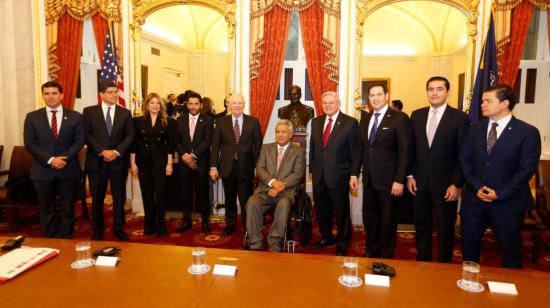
(296, 112)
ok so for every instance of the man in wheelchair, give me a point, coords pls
(280, 170)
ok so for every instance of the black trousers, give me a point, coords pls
(236, 185)
(194, 185)
(152, 181)
(332, 204)
(98, 187)
(428, 205)
(380, 219)
(46, 192)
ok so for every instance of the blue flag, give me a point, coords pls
(487, 73)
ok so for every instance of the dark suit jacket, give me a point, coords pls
(153, 143)
(507, 169)
(388, 159)
(334, 163)
(438, 166)
(224, 146)
(97, 138)
(40, 143)
(291, 171)
(202, 139)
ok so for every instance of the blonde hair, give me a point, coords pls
(163, 114)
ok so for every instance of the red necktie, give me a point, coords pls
(326, 134)
(54, 124)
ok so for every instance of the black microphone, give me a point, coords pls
(13, 243)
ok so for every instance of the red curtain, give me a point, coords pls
(264, 88)
(511, 57)
(101, 27)
(311, 22)
(69, 50)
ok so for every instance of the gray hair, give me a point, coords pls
(287, 123)
(331, 93)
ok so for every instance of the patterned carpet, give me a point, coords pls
(194, 237)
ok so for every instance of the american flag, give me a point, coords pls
(109, 70)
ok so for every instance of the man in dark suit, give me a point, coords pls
(280, 169)
(498, 158)
(435, 178)
(235, 149)
(54, 136)
(333, 142)
(386, 148)
(194, 139)
(109, 135)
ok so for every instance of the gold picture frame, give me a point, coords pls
(367, 82)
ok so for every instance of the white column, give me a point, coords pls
(242, 51)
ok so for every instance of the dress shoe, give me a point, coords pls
(121, 235)
(97, 236)
(206, 228)
(323, 243)
(228, 231)
(186, 226)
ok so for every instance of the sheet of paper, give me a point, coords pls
(224, 270)
(21, 259)
(501, 287)
(106, 261)
(377, 280)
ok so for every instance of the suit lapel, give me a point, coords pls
(45, 123)
(506, 133)
(441, 125)
(385, 120)
(116, 120)
(335, 128)
(101, 118)
(484, 137)
(186, 132)
(423, 120)
(285, 158)
(64, 121)
(198, 126)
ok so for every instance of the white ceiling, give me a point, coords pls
(414, 28)
(192, 27)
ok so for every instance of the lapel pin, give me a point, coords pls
(64, 118)
(338, 123)
(200, 120)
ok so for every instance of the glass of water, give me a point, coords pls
(350, 271)
(470, 277)
(83, 252)
(199, 265)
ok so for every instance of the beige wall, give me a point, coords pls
(203, 71)
(169, 59)
(409, 74)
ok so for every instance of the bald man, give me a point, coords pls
(235, 149)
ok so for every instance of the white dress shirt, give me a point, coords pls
(58, 116)
(240, 120)
(439, 115)
(284, 151)
(382, 113)
(104, 107)
(501, 125)
(333, 117)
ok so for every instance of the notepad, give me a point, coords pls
(377, 280)
(224, 270)
(501, 287)
(22, 259)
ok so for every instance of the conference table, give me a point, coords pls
(156, 276)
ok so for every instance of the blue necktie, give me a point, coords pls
(108, 121)
(373, 129)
